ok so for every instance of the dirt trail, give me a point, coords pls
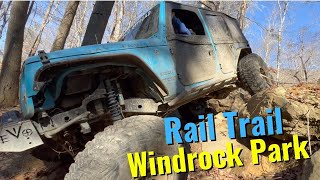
(24, 166)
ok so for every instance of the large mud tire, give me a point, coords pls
(105, 157)
(254, 73)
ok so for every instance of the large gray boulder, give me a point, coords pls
(301, 118)
(311, 168)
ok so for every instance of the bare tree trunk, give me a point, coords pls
(267, 40)
(304, 69)
(301, 55)
(242, 14)
(4, 17)
(30, 8)
(282, 14)
(9, 78)
(304, 62)
(213, 5)
(98, 22)
(116, 34)
(267, 53)
(115, 21)
(80, 28)
(304, 53)
(44, 23)
(65, 26)
(296, 76)
(132, 15)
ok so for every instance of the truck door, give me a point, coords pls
(189, 44)
(222, 41)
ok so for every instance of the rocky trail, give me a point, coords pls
(23, 166)
(300, 112)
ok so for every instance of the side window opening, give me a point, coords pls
(186, 22)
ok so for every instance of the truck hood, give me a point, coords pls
(98, 48)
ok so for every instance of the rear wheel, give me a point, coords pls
(105, 157)
(254, 73)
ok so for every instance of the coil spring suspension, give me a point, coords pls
(112, 102)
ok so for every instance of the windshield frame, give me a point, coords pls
(141, 20)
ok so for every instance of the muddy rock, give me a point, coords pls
(311, 168)
(265, 170)
(229, 99)
(24, 166)
(298, 117)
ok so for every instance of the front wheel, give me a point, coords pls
(105, 157)
(254, 73)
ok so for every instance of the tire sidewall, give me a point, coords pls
(249, 73)
(130, 135)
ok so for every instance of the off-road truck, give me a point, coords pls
(100, 102)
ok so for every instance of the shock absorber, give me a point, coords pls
(112, 102)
